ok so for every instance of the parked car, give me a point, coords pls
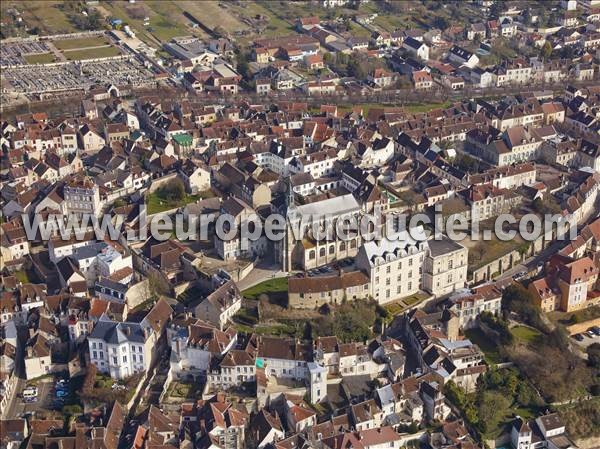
(595, 330)
(61, 393)
(30, 392)
(520, 275)
(578, 337)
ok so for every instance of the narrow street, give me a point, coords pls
(15, 406)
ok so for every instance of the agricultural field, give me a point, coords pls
(44, 16)
(165, 19)
(158, 21)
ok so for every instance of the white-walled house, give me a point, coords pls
(220, 306)
(394, 266)
(120, 349)
(193, 348)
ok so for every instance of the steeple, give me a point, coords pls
(290, 192)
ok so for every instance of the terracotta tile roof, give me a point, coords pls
(579, 271)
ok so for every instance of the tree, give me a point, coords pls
(349, 322)
(496, 9)
(480, 250)
(441, 23)
(91, 21)
(455, 394)
(558, 338)
(94, 20)
(546, 50)
(466, 163)
(517, 299)
(593, 353)
(219, 31)
(567, 52)
(500, 326)
(357, 68)
(157, 285)
(173, 191)
(242, 65)
(556, 373)
(492, 408)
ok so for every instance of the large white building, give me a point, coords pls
(395, 267)
(468, 304)
(82, 196)
(445, 268)
(120, 349)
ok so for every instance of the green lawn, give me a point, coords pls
(82, 42)
(399, 306)
(271, 287)
(426, 107)
(22, 276)
(525, 334)
(41, 58)
(156, 203)
(489, 348)
(391, 22)
(394, 308)
(414, 299)
(92, 53)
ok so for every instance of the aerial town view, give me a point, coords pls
(285, 224)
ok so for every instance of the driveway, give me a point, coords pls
(263, 271)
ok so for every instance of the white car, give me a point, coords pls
(30, 392)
